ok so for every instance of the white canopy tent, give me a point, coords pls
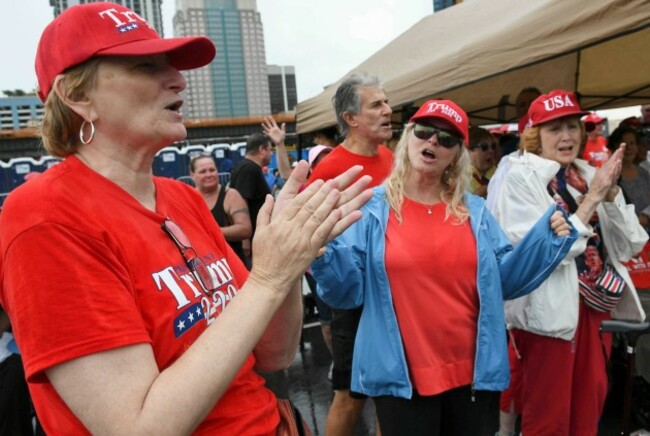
(480, 54)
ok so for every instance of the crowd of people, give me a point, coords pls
(447, 268)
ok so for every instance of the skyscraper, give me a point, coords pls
(282, 88)
(236, 83)
(147, 9)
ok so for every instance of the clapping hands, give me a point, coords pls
(292, 230)
(604, 185)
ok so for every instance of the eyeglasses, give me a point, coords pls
(194, 263)
(446, 138)
(484, 146)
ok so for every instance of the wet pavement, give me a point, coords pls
(307, 385)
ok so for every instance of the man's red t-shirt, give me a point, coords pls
(86, 268)
(341, 159)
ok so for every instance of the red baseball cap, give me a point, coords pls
(631, 121)
(445, 110)
(501, 130)
(521, 125)
(109, 29)
(594, 118)
(556, 104)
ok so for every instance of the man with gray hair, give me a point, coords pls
(364, 119)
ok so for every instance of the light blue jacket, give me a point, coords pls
(352, 273)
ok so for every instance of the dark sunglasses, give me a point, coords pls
(446, 138)
(194, 263)
(484, 146)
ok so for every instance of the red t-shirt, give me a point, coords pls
(341, 159)
(432, 266)
(596, 151)
(86, 268)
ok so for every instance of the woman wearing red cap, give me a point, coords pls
(556, 328)
(595, 150)
(431, 268)
(132, 313)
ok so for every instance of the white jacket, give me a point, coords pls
(552, 309)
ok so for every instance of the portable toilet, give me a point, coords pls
(46, 162)
(19, 167)
(221, 153)
(4, 181)
(169, 163)
(188, 153)
(237, 152)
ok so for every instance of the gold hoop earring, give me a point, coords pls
(81, 132)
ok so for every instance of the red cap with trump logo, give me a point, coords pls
(445, 110)
(109, 29)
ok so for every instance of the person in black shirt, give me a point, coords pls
(248, 179)
(226, 204)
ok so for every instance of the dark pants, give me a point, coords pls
(344, 331)
(450, 413)
(15, 403)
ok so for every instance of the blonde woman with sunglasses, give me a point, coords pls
(431, 268)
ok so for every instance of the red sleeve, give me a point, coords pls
(74, 285)
(324, 171)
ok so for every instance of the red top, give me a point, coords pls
(596, 151)
(432, 266)
(86, 268)
(341, 159)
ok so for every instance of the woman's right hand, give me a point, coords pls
(603, 187)
(290, 234)
(604, 184)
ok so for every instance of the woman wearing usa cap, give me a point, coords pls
(132, 313)
(431, 268)
(556, 328)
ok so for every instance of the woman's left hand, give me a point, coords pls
(291, 232)
(343, 182)
(559, 224)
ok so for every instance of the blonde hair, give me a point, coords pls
(60, 126)
(530, 140)
(455, 180)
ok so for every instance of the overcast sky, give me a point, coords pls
(323, 40)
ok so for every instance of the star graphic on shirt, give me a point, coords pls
(181, 325)
(191, 317)
(198, 312)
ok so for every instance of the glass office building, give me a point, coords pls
(235, 84)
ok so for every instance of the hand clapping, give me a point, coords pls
(291, 232)
(604, 184)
